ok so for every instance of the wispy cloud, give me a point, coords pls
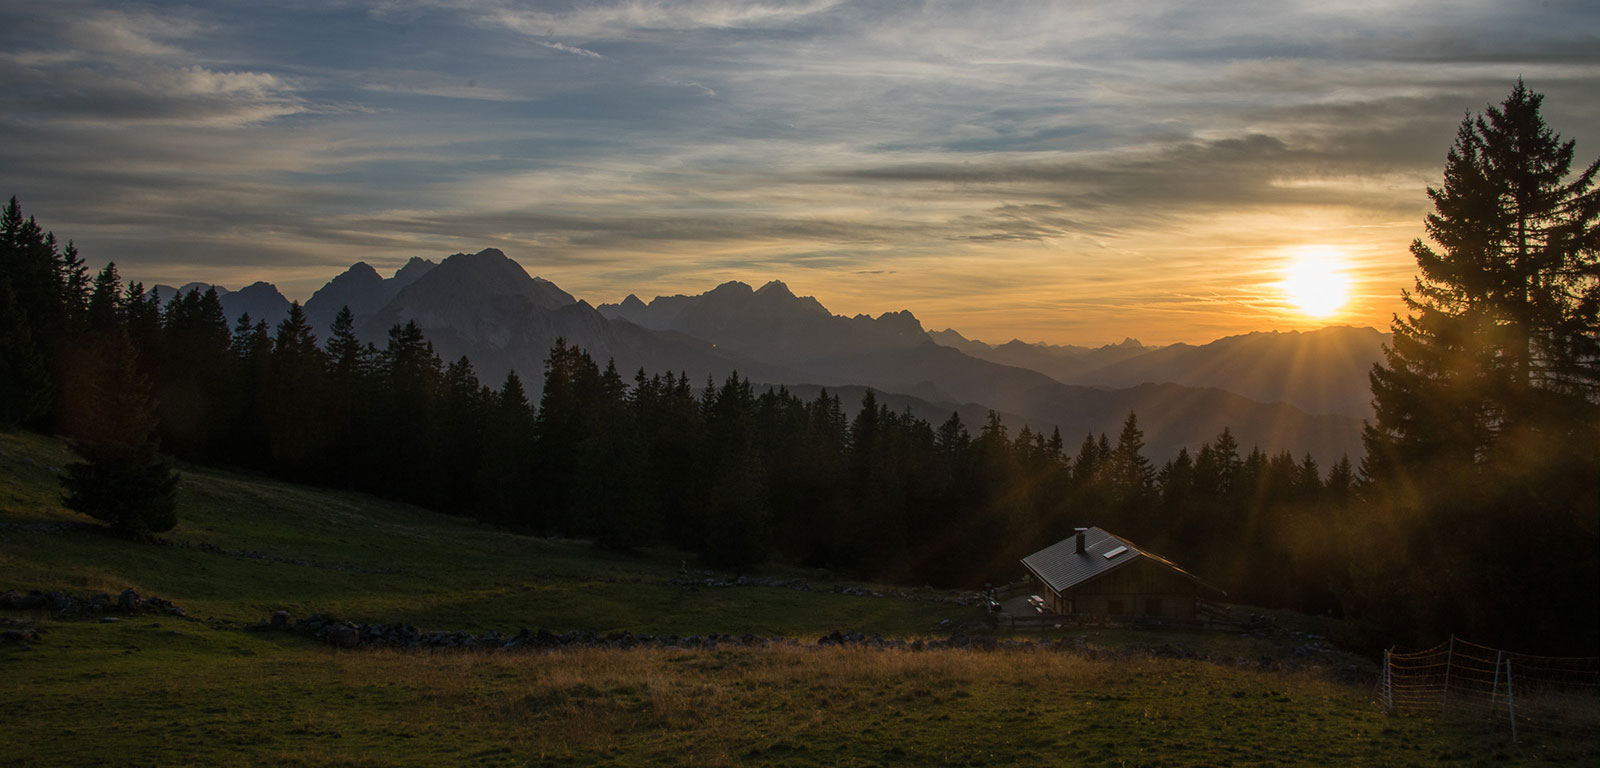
(1054, 171)
(572, 49)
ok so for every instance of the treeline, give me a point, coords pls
(736, 475)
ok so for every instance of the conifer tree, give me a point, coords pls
(294, 400)
(1131, 478)
(192, 374)
(1482, 454)
(25, 388)
(109, 421)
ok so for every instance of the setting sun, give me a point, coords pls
(1314, 281)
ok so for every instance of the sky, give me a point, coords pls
(1068, 172)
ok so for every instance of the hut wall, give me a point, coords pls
(1144, 588)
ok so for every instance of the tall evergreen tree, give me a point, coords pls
(192, 374)
(1482, 453)
(1131, 479)
(25, 388)
(294, 400)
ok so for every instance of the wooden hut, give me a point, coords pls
(1098, 573)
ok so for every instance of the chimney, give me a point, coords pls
(1081, 533)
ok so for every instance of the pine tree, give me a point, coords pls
(105, 299)
(192, 374)
(1482, 455)
(1131, 479)
(110, 422)
(25, 388)
(294, 401)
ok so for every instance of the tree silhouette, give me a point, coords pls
(25, 386)
(110, 422)
(1482, 453)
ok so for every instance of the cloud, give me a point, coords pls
(122, 32)
(994, 166)
(564, 48)
(128, 66)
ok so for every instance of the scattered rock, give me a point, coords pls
(709, 579)
(19, 637)
(67, 606)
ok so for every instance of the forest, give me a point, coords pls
(1474, 510)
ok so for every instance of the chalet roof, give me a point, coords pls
(1061, 568)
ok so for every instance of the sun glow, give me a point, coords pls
(1314, 281)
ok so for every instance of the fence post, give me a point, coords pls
(1494, 695)
(1511, 701)
(1444, 696)
(1388, 684)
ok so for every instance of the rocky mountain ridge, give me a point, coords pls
(487, 307)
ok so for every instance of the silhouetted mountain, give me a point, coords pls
(168, 293)
(1322, 371)
(893, 354)
(772, 324)
(1171, 415)
(1066, 364)
(261, 300)
(361, 289)
(486, 306)
(411, 271)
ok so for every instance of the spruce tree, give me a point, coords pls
(1482, 453)
(294, 401)
(1131, 479)
(25, 387)
(110, 422)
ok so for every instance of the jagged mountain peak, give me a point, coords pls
(361, 270)
(732, 287)
(415, 268)
(774, 288)
(261, 288)
(489, 273)
(901, 322)
(201, 287)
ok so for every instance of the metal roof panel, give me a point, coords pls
(1061, 568)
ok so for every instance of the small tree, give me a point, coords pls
(109, 421)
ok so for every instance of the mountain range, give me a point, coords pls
(1301, 392)
(1323, 371)
(260, 300)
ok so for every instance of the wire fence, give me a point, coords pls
(1527, 695)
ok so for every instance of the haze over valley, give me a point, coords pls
(1301, 391)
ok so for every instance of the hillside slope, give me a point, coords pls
(248, 546)
(163, 690)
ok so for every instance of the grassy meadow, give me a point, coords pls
(160, 690)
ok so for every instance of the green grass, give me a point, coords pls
(150, 690)
(176, 692)
(453, 573)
